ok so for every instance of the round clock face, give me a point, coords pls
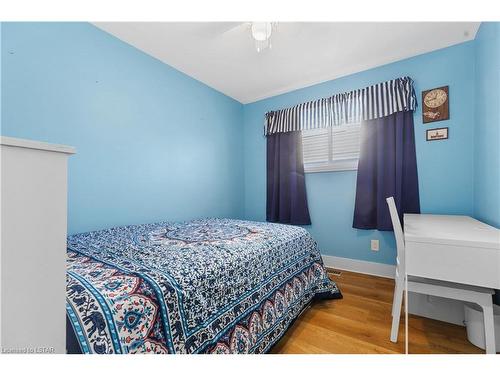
(435, 98)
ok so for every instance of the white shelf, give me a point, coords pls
(36, 145)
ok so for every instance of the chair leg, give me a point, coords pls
(396, 310)
(394, 298)
(489, 328)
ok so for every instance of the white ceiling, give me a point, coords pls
(223, 56)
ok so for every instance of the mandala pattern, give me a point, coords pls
(205, 286)
(202, 232)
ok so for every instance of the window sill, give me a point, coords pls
(337, 166)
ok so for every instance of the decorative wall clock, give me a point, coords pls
(435, 105)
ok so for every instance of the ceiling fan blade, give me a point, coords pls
(217, 29)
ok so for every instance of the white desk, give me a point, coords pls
(458, 249)
(452, 248)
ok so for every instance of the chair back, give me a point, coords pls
(398, 233)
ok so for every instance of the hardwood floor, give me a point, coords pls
(361, 323)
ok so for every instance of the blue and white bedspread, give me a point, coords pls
(204, 286)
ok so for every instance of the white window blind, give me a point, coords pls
(334, 148)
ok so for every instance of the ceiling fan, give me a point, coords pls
(261, 32)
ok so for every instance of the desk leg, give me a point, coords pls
(406, 314)
(489, 328)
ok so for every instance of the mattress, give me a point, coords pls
(203, 286)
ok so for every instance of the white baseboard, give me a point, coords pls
(360, 266)
(431, 307)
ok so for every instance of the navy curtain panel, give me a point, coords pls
(286, 188)
(387, 167)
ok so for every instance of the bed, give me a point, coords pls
(203, 286)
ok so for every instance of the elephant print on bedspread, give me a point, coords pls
(204, 286)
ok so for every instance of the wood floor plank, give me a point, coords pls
(361, 323)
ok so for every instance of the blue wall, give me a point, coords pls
(445, 168)
(487, 125)
(152, 143)
(155, 144)
(0, 77)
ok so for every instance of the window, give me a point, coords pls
(335, 148)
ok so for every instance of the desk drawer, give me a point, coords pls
(459, 264)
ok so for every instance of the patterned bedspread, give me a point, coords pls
(204, 286)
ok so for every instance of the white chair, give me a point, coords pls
(481, 296)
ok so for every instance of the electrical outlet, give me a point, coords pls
(375, 245)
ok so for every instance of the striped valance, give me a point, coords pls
(380, 100)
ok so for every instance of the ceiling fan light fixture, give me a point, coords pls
(261, 33)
